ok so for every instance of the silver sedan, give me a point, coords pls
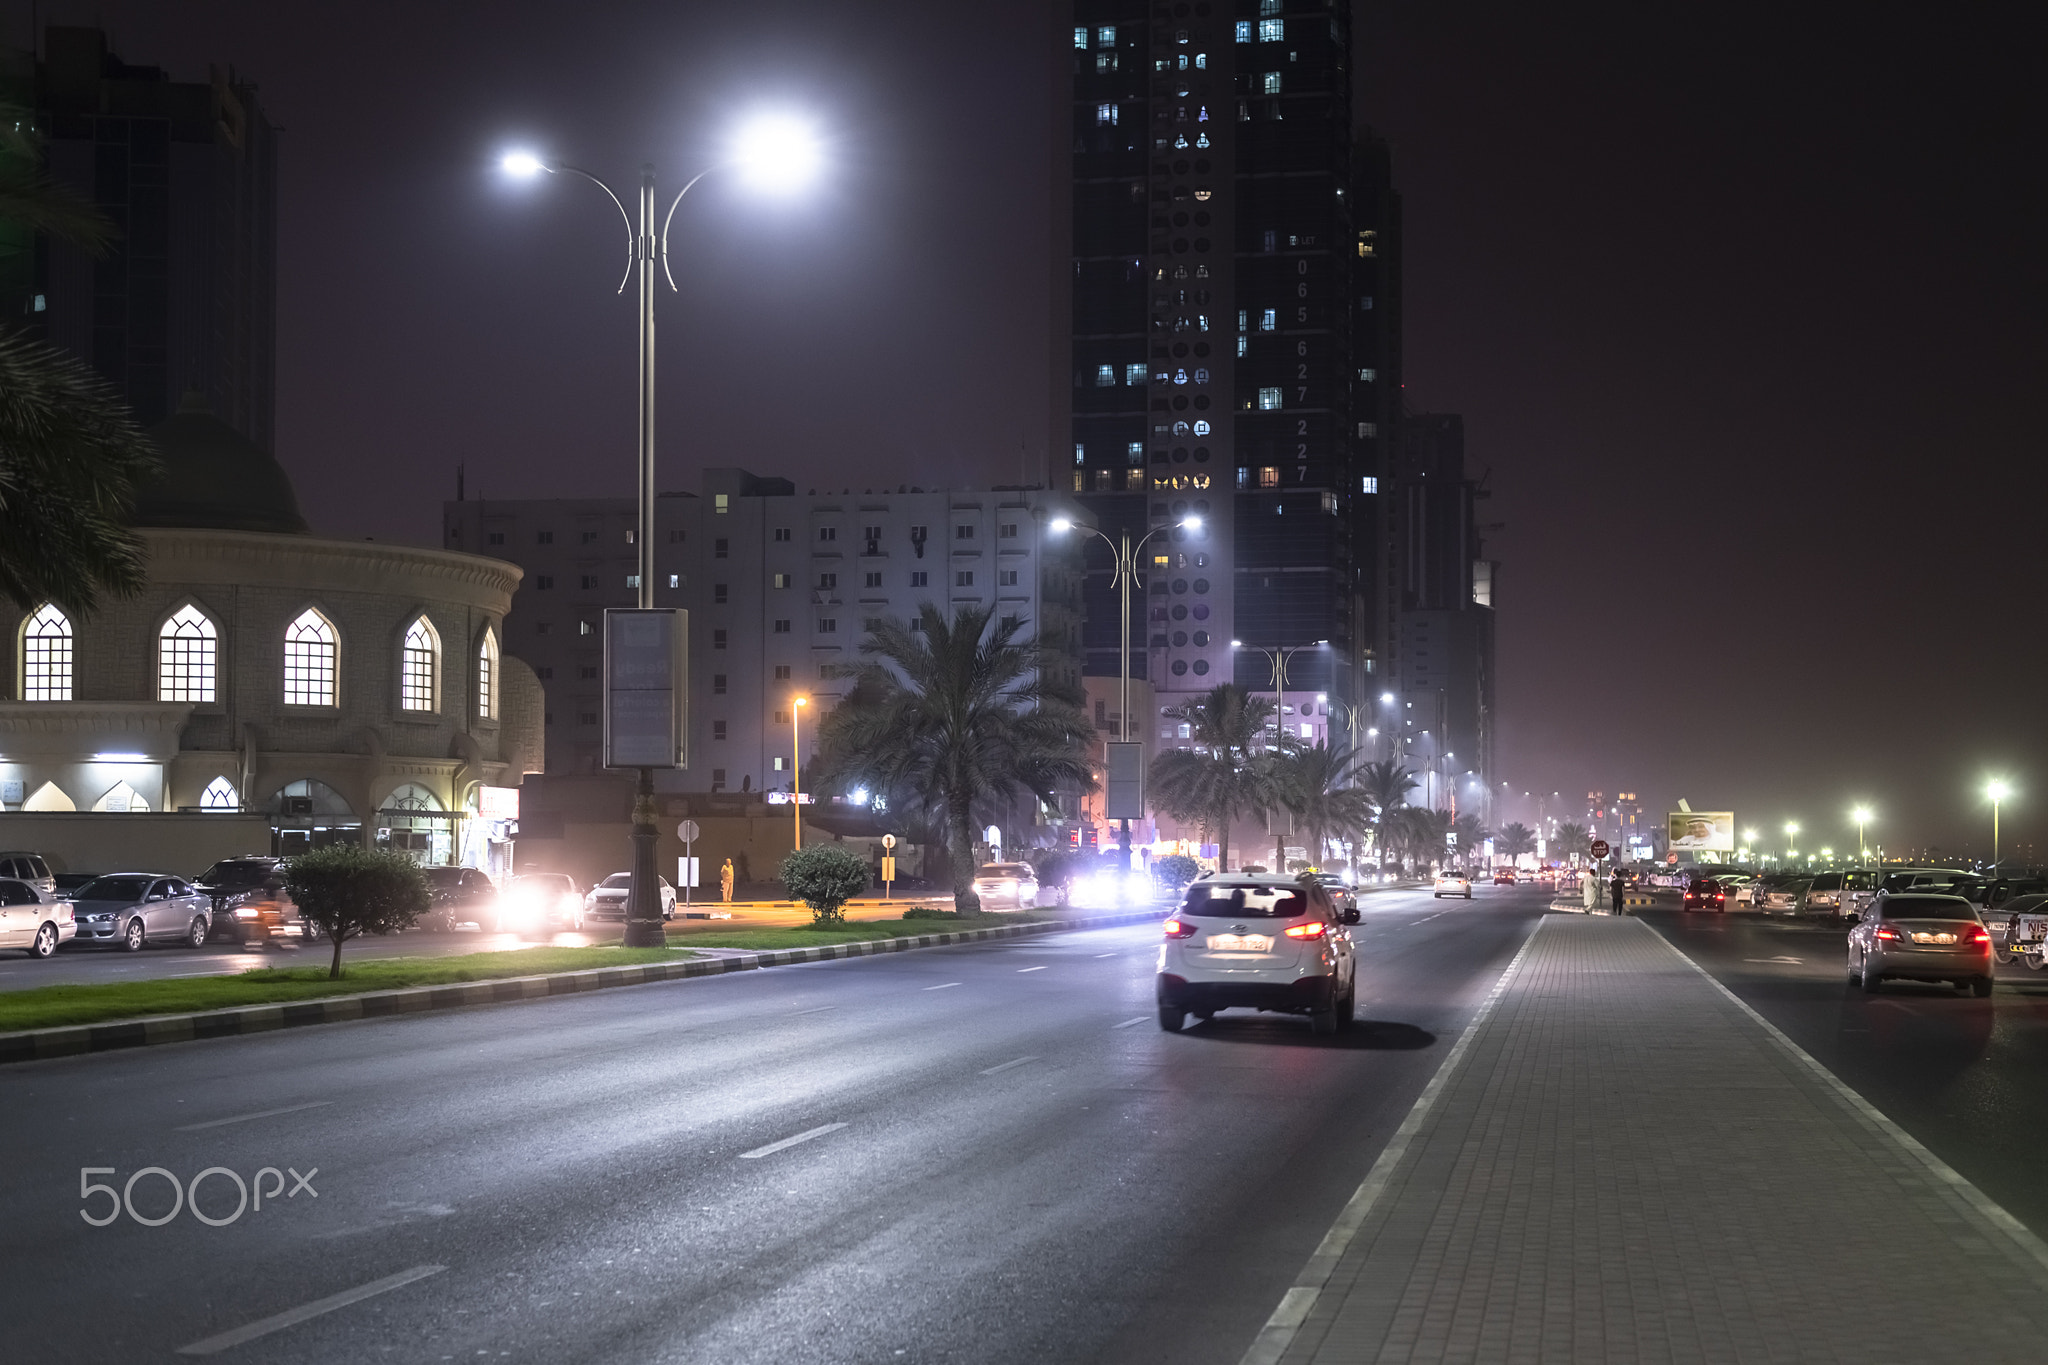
(1917, 937)
(132, 908)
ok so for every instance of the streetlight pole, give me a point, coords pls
(1997, 790)
(1862, 818)
(1126, 568)
(779, 149)
(796, 767)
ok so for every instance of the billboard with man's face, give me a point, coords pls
(1702, 831)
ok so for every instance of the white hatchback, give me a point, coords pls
(1261, 942)
(1453, 884)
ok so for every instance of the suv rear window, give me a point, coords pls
(1828, 881)
(1245, 902)
(1928, 907)
(239, 872)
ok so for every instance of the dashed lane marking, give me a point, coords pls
(1022, 970)
(244, 1118)
(263, 1327)
(1128, 1022)
(947, 987)
(772, 1148)
(1005, 1066)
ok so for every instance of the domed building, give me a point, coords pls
(268, 689)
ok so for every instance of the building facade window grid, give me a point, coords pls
(187, 657)
(487, 676)
(309, 661)
(416, 676)
(46, 655)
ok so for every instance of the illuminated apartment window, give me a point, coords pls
(1136, 375)
(1272, 31)
(1269, 476)
(416, 672)
(1269, 83)
(1105, 376)
(1269, 399)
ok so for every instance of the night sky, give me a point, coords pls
(1742, 304)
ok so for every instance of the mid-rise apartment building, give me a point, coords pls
(782, 588)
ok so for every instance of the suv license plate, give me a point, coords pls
(1239, 943)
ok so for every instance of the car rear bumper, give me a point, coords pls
(1297, 996)
(1925, 964)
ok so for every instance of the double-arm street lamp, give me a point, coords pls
(1126, 570)
(772, 152)
(1278, 656)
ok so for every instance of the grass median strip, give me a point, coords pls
(858, 931)
(97, 1002)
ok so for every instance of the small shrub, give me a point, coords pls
(1176, 870)
(929, 912)
(825, 879)
(348, 891)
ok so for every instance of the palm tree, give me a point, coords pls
(1471, 832)
(1317, 786)
(1572, 838)
(70, 453)
(1417, 832)
(1514, 840)
(1386, 786)
(1223, 776)
(955, 720)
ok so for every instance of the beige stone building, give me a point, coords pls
(267, 685)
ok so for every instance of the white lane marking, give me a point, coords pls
(947, 987)
(1015, 1061)
(1426, 918)
(1103, 955)
(1869, 1113)
(263, 1327)
(1278, 1333)
(772, 1148)
(1775, 959)
(820, 1010)
(244, 1118)
(1128, 1022)
(1030, 969)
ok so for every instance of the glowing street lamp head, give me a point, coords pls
(522, 165)
(1862, 815)
(1193, 523)
(1997, 789)
(1791, 826)
(1061, 524)
(803, 701)
(777, 152)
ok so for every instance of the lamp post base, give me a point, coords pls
(643, 896)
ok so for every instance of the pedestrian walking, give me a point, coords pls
(1618, 887)
(725, 881)
(1589, 889)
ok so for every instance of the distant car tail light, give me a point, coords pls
(1312, 930)
(1179, 928)
(1887, 933)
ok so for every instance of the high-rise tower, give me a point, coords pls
(1234, 345)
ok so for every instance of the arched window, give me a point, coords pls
(187, 651)
(121, 798)
(417, 667)
(309, 658)
(49, 796)
(46, 655)
(487, 676)
(220, 795)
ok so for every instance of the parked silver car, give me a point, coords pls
(131, 908)
(1914, 936)
(30, 868)
(32, 920)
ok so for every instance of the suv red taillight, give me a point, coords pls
(1315, 929)
(1179, 928)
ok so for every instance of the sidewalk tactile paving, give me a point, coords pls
(1627, 1167)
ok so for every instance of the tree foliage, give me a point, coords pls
(1222, 776)
(1573, 840)
(71, 456)
(1176, 870)
(955, 721)
(348, 891)
(1515, 840)
(1318, 786)
(825, 878)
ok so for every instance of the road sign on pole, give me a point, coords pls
(686, 870)
(1600, 849)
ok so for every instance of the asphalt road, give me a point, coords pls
(986, 1154)
(1968, 1078)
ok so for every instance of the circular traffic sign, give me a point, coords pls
(1600, 848)
(888, 841)
(688, 831)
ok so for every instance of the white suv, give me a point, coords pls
(1260, 942)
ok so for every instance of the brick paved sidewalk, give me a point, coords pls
(1621, 1163)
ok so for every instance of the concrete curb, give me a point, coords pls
(71, 1041)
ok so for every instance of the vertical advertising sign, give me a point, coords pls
(646, 680)
(1123, 788)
